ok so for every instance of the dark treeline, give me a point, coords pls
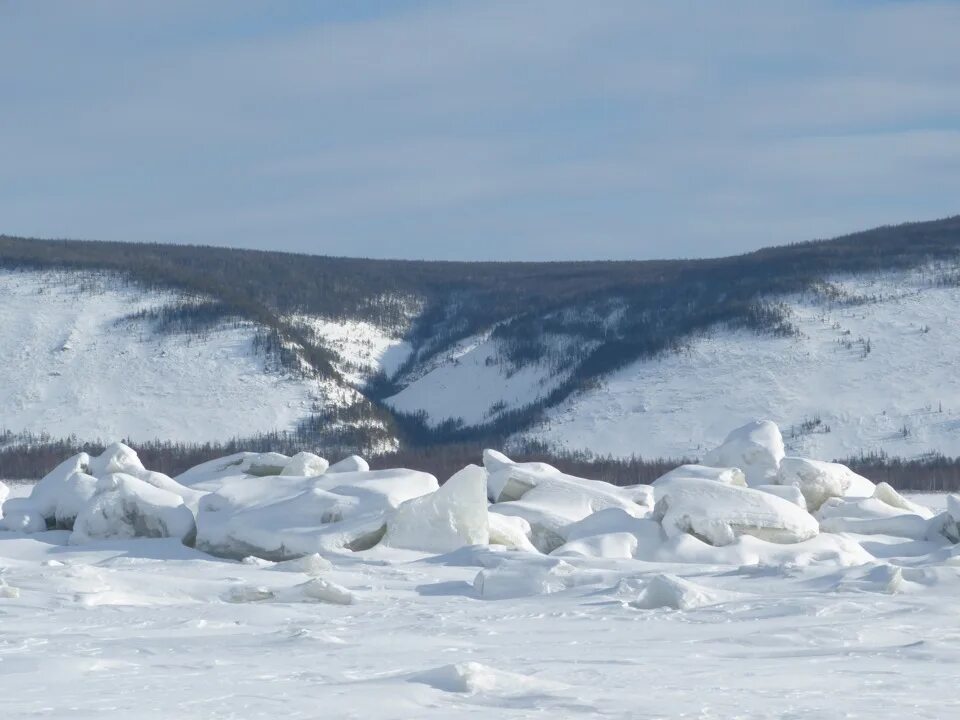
(28, 457)
(931, 473)
(359, 288)
(189, 318)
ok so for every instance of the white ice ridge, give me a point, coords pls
(275, 507)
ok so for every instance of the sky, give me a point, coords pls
(488, 129)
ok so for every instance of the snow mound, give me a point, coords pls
(718, 513)
(473, 678)
(314, 590)
(313, 564)
(60, 496)
(728, 476)
(886, 494)
(126, 507)
(207, 474)
(947, 523)
(883, 578)
(749, 551)
(953, 506)
(904, 525)
(494, 461)
(21, 515)
(248, 594)
(615, 545)
(943, 526)
(74, 495)
(790, 493)
(284, 517)
(449, 518)
(305, 464)
(512, 533)
(325, 591)
(116, 458)
(509, 480)
(857, 508)
(46, 493)
(819, 481)
(191, 497)
(267, 464)
(609, 520)
(523, 578)
(670, 591)
(550, 500)
(756, 448)
(887, 513)
(612, 533)
(351, 464)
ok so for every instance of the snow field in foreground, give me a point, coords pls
(513, 590)
(149, 628)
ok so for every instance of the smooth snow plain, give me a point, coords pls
(512, 590)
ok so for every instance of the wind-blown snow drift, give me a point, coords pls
(270, 506)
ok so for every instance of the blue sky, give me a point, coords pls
(514, 129)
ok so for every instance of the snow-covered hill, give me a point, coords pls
(850, 344)
(74, 362)
(874, 369)
(871, 367)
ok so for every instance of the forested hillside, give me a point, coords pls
(537, 333)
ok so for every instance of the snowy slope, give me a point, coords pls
(903, 396)
(72, 365)
(473, 382)
(871, 368)
(362, 348)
